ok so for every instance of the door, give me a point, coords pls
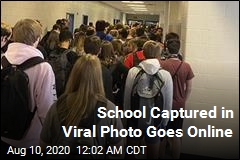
(70, 18)
(85, 19)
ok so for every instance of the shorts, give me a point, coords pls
(176, 124)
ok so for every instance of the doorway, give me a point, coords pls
(85, 19)
(70, 18)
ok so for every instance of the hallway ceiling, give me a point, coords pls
(152, 7)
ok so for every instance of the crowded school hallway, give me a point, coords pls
(120, 79)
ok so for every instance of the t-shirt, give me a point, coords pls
(184, 74)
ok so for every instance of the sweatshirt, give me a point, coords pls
(150, 66)
(42, 91)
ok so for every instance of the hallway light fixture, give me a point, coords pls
(134, 2)
(140, 10)
(136, 5)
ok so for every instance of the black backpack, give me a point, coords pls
(61, 68)
(94, 146)
(16, 115)
(146, 91)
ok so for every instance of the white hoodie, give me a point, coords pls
(150, 66)
(42, 91)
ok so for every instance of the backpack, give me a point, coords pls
(61, 68)
(16, 116)
(119, 76)
(146, 92)
(74, 142)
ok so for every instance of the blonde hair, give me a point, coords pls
(27, 31)
(117, 47)
(84, 88)
(79, 43)
(132, 44)
(114, 33)
(132, 32)
(151, 49)
(6, 30)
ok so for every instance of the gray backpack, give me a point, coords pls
(146, 92)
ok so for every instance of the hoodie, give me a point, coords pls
(42, 91)
(150, 66)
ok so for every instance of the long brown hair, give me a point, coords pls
(107, 56)
(84, 88)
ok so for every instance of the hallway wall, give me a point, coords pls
(49, 11)
(212, 49)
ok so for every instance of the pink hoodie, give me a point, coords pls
(42, 91)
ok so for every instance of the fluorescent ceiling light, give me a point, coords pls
(138, 8)
(136, 5)
(134, 2)
(141, 9)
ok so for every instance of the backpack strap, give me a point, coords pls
(157, 75)
(138, 76)
(30, 63)
(5, 62)
(27, 64)
(177, 70)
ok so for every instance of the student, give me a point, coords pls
(53, 39)
(78, 47)
(77, 107)
(123, 33)
(165, 53)
(6, 33)
(62, 59)
(107, 56)
(182, 75)
(92, 45)
(151, 66)
(134, 56)
(100, 31)
(119, 73)
(26, 35)
(55, 28)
